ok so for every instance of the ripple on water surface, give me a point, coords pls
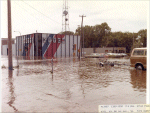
(75, 86)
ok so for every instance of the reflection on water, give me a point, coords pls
(75, 86)
(138, 80)
(96, 76)
(11, 90)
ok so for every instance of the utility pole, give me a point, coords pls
(10, 64)
(82, 40)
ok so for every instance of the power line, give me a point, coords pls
(40, 12)
(31, 14)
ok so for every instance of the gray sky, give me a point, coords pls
(46, 16)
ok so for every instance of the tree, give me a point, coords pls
(88, 35)
(101, 36)
(100, 32)
(143, 40)
(67, 33)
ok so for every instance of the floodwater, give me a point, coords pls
(74, 86)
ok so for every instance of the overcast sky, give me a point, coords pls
(46, 16)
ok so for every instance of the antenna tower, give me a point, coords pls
(65, 17)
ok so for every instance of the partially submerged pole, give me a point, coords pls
(81, 39)
(10, 64)
(52, 56)
(52, 65)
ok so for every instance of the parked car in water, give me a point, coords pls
(95, 55)
(138, 58)
(116, 55)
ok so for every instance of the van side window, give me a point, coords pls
(138, 52)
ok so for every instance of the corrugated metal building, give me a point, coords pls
(4, 46)
(47, 45)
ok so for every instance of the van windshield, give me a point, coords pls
(138, 52)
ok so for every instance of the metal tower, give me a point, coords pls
(65, 17)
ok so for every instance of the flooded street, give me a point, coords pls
(75, 86)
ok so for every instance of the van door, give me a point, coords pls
(144, 58)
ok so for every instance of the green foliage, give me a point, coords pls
(143, 34)
(67, 33)
(101, 36)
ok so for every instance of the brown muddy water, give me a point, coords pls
(75, 86)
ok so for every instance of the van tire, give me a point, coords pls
(139, 67)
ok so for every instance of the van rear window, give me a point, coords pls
(138, 52)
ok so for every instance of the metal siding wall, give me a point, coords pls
(22, 45)
(75, 42)
(67, 45)
(56, 46)
(31, 45)
(13, 49)
(39, 44)
(79, 44)
(63, 46)
(25, 45)
(24, 42)
(4, 49)
(36, 45)
(19, 48)
(48, 46)
(71, 45)
(58, 51)
(16, 46)
(52, 48)
(44, 39)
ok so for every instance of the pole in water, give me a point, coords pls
(10, 64)
(52, 66)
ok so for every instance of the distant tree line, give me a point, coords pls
(101, 36)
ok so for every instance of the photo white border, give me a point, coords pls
(148, 56)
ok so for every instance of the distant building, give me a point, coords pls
(88, 51)
(4, 46)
